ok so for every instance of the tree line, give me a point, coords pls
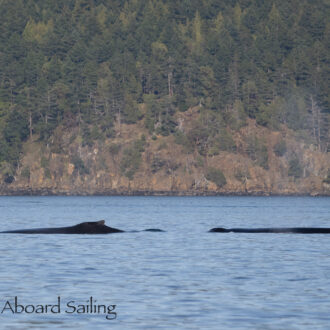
(91, 63)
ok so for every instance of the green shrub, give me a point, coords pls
(157, 164)
(7, 171)
(327, 179)
(96, 134)
(181, 139)
(130, 162)
(280, 148)
(109, 132)
(86, 136)
(9, 178)
(227, 142)
(263, 116)
(162, 145)
(44, 162)
(222, 142)
(114, 148)
(215, 175)
(213, 151)
(262, 157)
(199, 161)
(295, 168)
(79, 165)
(242, 174)
(47, 173)
(132, 158)
(26, 172)
(198, 138)
(140, 144)
(257, 151)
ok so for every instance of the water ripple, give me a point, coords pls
(184, 278)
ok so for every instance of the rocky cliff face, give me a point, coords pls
(284, 165)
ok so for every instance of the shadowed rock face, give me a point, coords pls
(294, 230)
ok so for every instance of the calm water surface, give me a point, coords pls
(184, 278)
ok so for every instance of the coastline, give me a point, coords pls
(188, 193)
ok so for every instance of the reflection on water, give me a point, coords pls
(184, 278)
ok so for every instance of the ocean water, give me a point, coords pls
(184, 278)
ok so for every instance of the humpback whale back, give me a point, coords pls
(97, 227)
(293, 230)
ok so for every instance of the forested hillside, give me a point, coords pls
(207, 95)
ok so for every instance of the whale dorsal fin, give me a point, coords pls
(101, 222)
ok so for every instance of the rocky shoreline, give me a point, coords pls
(165, 168)
(112, 192)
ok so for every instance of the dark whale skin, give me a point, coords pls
(97, 227)
(294, 230)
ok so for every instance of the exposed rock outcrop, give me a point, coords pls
(165, 167)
